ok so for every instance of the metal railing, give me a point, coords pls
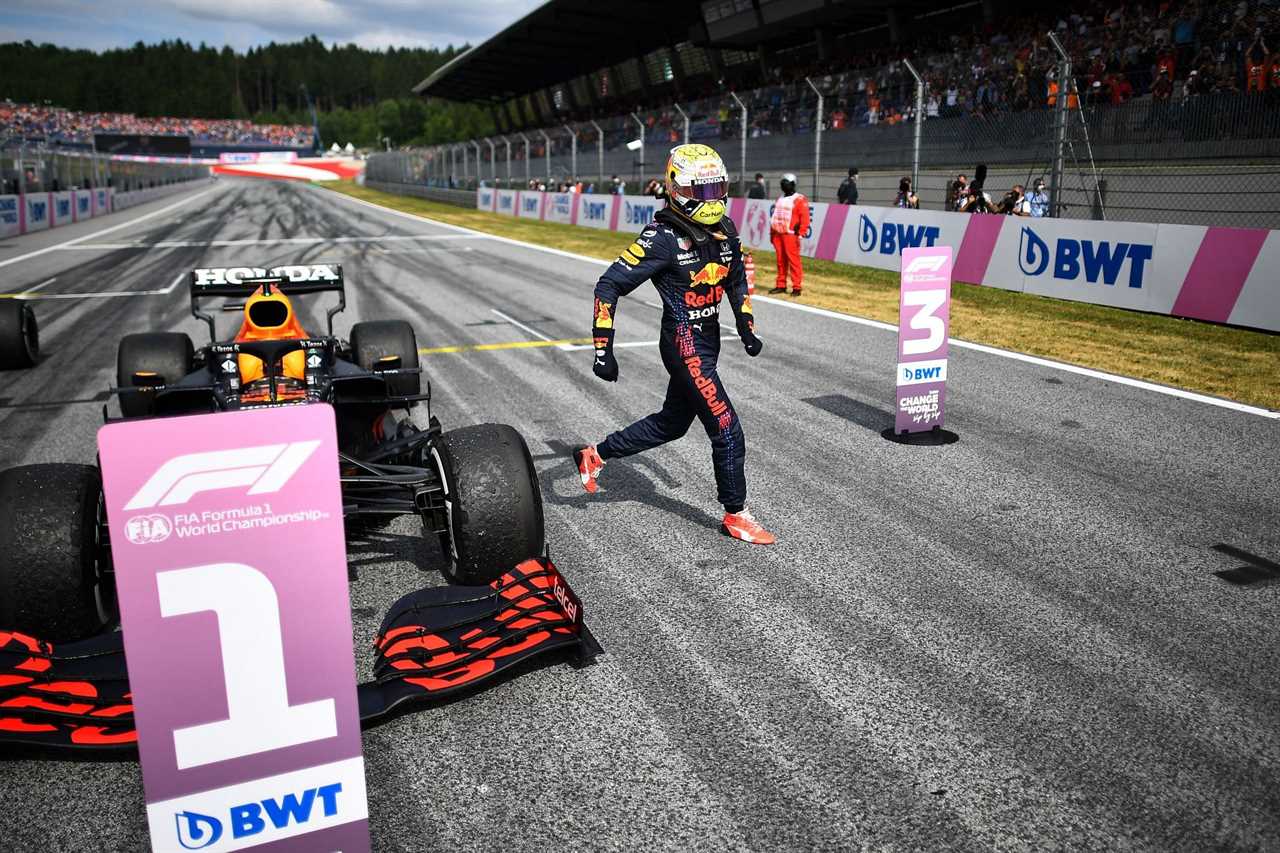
(1207, 158)
(30, 169)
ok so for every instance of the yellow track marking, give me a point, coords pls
(506, 345)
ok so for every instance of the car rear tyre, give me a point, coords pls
(493, 501)
(19, 335)
(378, 339)
(169, 355)
(55, 575)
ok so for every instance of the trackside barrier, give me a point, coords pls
(122, 200)
(23, 214)
(1223, 275)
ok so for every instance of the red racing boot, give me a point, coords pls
(742, 525)
(589, 467)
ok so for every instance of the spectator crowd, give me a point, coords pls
(1120, 51)
(53, 125)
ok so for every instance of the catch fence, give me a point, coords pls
(1209, 158)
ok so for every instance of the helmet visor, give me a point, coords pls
(712, 189)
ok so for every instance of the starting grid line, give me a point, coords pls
(31, 294)
(266, 241)
(564, 344)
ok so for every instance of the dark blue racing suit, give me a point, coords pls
(691, 267)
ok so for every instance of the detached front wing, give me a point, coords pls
(432, 643)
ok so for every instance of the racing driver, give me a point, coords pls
(692, 253)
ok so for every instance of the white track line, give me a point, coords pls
(76, 241)
(622, 345)
(876, 324)
(522, 326)
(41, 286)
(303, 241)
(108, 294)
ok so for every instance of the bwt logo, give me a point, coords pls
(264, 469)
(592, 211)
(921, 374)
(199, 831)
(531, 204)
(893, 237)
(64, 206)
(1095, 259)
(637, 214)
(38, 210)
(504, 201)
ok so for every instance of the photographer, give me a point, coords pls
(976, 201)
(1038, 199)
(956, 192)
(1014, 203)
(848, 190)
(906, 198)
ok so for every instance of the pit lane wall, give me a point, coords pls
(22, 214)
(1223, 275)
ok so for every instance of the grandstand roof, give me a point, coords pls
(566, 39)
(559, 40)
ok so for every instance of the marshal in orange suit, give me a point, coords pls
(788, 223)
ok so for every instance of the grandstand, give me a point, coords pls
(1157, 86)
(54, 127)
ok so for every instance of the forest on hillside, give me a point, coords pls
(360, 95)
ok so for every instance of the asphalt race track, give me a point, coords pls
(1019, 641)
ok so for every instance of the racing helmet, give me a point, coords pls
(788, 183)
(697, 183)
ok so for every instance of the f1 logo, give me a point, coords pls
(264, 469)
(926, 263)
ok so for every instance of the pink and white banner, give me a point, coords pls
(529, 205)
(595, 210)
(1224, 275)
(11, 218)
(560, 207)
(36, 212)
(62, 208)
(282, 169)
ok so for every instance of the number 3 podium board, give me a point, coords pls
(230, 561)
(924, 316)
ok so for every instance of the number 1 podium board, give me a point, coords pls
(230, 563)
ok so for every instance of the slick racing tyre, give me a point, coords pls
(493, 502)
(168, 355)
(55, 576)
(19, 335)
(381, 338)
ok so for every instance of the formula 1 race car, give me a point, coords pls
(474, 488)
(19, 335)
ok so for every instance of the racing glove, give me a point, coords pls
(747, 331)
(605, 366)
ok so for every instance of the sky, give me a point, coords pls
(243, 24)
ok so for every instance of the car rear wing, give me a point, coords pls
(289, 279)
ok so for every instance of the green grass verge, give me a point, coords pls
(1227, 362)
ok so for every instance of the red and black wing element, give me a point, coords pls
(432, 643)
